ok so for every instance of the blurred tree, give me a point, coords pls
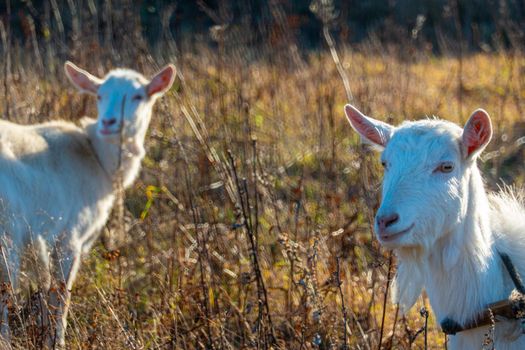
(482, 23)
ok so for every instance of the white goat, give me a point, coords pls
(444, 229)
(57, 179)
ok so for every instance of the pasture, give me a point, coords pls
(250, 224)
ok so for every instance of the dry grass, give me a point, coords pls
(251, 222)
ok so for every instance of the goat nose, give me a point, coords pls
(108, 122)
(384, 221)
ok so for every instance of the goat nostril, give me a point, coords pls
(392, 219)
(109, 122)
(387, 220)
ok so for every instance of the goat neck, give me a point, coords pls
(125, 155)
(464, 260)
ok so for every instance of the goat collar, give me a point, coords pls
(512, 308)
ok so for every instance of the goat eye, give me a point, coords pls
(445, 167)
(137, 98)
(383, 164)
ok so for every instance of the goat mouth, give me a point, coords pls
(393, 236)
(106, 132)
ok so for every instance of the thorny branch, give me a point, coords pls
(262, 295)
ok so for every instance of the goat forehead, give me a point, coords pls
(122, 84)
(127, 74)
(422, 142)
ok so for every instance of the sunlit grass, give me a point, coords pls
(184, 278)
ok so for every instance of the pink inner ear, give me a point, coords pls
(477, 132)
(160, 82)
(81, 80)
(84, 83)
(475, 137)
(364, 126)
(369, 131)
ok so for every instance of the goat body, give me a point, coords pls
(54, 189)
(443, 227)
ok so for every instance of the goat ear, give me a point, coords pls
(373, 131)
(476, 133)
(83, 81)
(162, 81)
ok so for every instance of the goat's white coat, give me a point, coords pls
(56, 178)
(454, 229)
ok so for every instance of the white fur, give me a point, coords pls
(454, 228)
(57, 180)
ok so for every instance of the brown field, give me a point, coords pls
(250, 225)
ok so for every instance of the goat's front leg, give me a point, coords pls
(6, 298)
(10, 258)
(68, 262)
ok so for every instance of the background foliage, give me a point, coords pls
(250, 225)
